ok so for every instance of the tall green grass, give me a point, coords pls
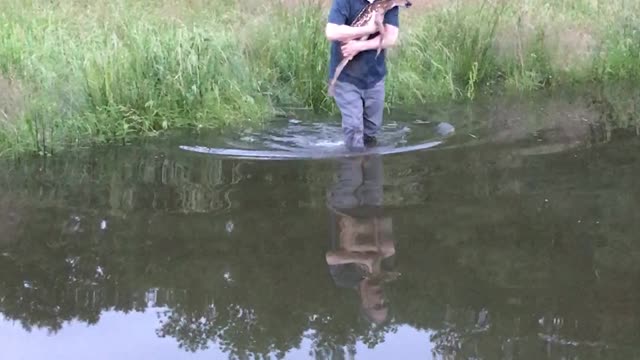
(95, 71)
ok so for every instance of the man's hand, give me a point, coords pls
(351, 48)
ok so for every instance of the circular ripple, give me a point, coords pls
(296, 139)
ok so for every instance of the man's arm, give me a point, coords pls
(342, 33)
(352, 48)
(337, 30)
(391, 26)
(389, 40)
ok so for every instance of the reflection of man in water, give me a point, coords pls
(362, 243)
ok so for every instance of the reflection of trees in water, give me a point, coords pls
(241, 331)
(262, 287)
(267, 303)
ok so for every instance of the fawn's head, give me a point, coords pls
(386, 5)
(399, 3)
(402, 3)
(382, 6)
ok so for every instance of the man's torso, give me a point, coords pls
(364, 70)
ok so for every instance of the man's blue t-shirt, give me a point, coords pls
(364, 70)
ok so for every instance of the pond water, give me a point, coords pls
(515, 238)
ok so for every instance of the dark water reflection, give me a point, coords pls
(520, 246)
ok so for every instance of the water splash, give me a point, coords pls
(296, 139)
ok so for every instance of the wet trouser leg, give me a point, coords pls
(361, 112)
(350, 102)
(373, 109)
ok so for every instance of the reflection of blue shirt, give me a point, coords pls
(351, 274)
(364, 70)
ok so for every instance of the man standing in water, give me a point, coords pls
(359, 91)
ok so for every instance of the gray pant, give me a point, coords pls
(361, 111)
(359, 183)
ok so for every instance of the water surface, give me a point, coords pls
(515, 239)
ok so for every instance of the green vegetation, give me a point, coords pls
(77, 72)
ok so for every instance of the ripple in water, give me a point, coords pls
(298, 139)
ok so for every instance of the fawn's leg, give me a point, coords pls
(339, 68)
(380, 25)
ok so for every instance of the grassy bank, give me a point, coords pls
(77, 71)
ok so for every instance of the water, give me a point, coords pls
(514, 239)
(294, 139)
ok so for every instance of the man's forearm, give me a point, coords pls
(371, 44)
(345, 33)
